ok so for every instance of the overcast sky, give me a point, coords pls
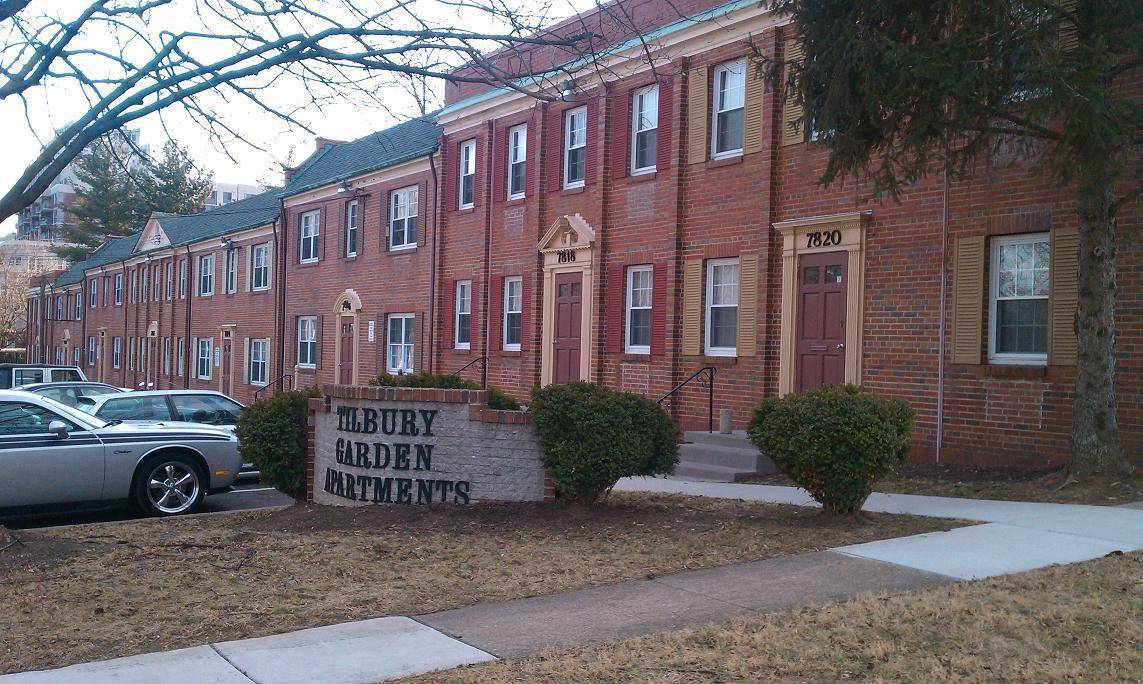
(343, 118)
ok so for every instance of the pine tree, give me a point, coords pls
(174, 184)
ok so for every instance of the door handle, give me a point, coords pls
(841, 345)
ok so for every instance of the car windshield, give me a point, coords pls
(84, 419)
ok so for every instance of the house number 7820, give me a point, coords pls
(823, 238)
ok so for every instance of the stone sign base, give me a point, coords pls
(396, 445)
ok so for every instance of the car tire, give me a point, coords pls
(169, 484)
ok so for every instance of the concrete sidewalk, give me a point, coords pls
(1017, 536)
(1014, 537)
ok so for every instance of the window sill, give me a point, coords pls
(309, 264)
(642, 357)
(724, 161)
(574, 190)
(306, 370)
(514, 201)
(641, 177)
(709, 360)
(510, 353)
(465, 210)
(465, 351)
(402, 250)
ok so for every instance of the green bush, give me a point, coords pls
(835, 442)
(272, 436)
(497, 399)
(591, 436)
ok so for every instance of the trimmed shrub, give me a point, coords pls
(835, 442)
(272, 436)
(591, 436)
(497, 399)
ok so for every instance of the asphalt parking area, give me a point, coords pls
(247, 494)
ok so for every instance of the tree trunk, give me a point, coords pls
(1095, 443)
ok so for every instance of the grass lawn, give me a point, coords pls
(1070, 623)
(106, 590)
(1012, 484)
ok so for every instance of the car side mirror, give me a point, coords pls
(58, 428)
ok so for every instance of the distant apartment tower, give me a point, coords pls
(46, 218)
(225, 193)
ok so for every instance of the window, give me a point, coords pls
(260, 267)
(638, 323)
(94, 293)
(403, 218)
(351, 229)
(144, 343)
(28, 376)
(179, 355)
(91, 350)
(307, 341)
(400, 356)
(79, 304)
(517, 160)
(206, 275)
(157, 283)
(143, 284)
(166, 356)
(75, 352)
(211, 409)
(135, 408)
(227, 197)
(203, 368)
(116, 351)
(231, 271)
(729, 100)
(118, 289)
(1018, 299)
(722, 307)
(575, 147)
(308, 245)
(644, 129)
(513, 306)
(466, 175)
(170, 282)
(182, 278)
(21, 418)
(463, 318)
(259, 361)
(132, 353)
(59, 308)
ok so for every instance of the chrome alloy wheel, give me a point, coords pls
(172, 487)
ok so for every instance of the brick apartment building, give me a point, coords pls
(644, 225)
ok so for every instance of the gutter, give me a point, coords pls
(280, 313)
(434, 256)
(187, 334)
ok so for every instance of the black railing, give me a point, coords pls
(483, 361)
(708, 373)
(287, 380)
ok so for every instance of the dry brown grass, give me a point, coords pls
(102, 591)
(1072, 623)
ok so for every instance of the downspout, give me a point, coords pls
(941, 332)
(280, 277)
(434, 256)
(187, 332)
(123, 306)
(486, 303)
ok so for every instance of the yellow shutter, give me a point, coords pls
(748, 305)
(792, 133)
(1062, 297)
(1068, 34)
(752, 125)
(692, 307)
(968, 299)
(696, 115)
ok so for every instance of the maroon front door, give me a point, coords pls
(821, 320)
(569, 308)
(345, 363)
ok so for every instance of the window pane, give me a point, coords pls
(729, 131)
(640, 333)
(725, 288)
(1022, 326)
(724, 326)
(512, 329)
(812, 274)
(645, 143)
(575, 171)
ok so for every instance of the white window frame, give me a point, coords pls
(118, 289)
(170, 281)
(997, 242)
(408, 320)
(309, 232)
(134, 285)
(727, 67)
(636, 97)
(180, 356)
(91, 350)
(508, 310)
(351, 229)
(157, 283)
(259, 360)
(517, 154)
(143, 282)
(307, 335)
(207, 344)
(263, 269)
(462, 306)
(232, 270)
(709, 305)
(166, 356)
(116, 351)
(59, 308)
(79, 304)
(205, 275)
(132, 353)
(409, 198)
(628, 308)
(93, 292)
(182, 278)
(569, 117)
(466, 169)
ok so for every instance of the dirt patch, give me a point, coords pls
(26, 553)
(163, 584)
(1010, 484)
(1064, 624)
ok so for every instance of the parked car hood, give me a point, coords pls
(136, 426)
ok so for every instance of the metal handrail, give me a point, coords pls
(711, 370)
(483, 361)
(276, 380)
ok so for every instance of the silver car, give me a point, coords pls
(53, 455)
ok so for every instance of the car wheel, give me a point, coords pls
(169, 485)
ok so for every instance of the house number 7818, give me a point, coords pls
(565, 256)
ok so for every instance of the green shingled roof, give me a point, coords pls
(401, 143)
(113, 250)
(254, 211)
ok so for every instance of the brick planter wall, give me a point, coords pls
(387, 445)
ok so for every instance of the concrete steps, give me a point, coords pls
(720, 457)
